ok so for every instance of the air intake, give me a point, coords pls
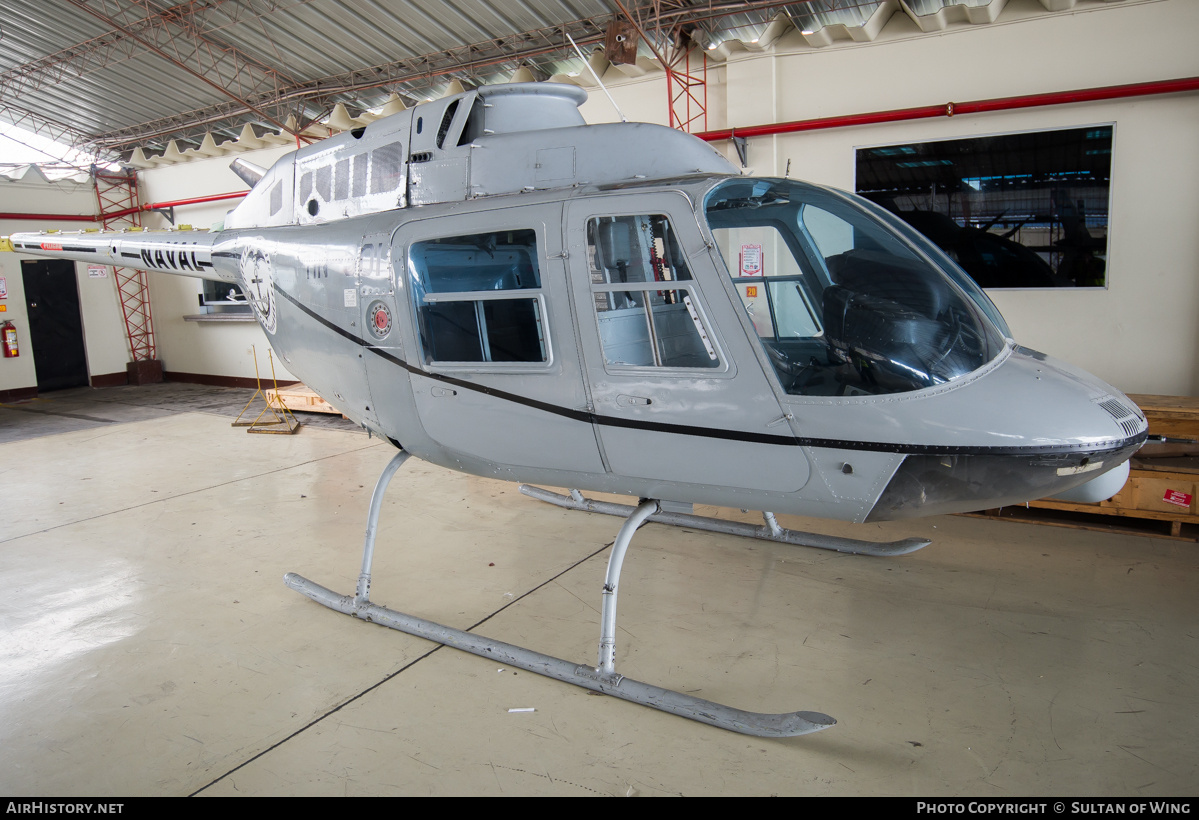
(1130, 418)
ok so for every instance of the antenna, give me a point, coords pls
(587, 63)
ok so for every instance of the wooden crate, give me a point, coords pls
(1174, 416)
(300, 397)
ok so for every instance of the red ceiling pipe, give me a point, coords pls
(1111, 92)
(196, 200)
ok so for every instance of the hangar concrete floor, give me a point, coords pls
(149, 647)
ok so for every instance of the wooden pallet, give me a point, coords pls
(1093, 521)
(301, 398)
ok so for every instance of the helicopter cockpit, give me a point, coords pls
(845, 299)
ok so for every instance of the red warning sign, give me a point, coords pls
(1177, 498)
(51, 246)
(751, 260)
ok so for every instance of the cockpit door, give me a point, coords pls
(677, 392)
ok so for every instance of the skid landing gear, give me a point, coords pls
(770, 531)
(601, 678)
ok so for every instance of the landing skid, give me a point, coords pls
(601, 678)
(770, 531)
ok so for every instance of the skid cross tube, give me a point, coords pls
(600, 679)
(771, 531)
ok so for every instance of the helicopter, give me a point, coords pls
(496, 287)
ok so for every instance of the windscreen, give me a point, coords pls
(842, 302)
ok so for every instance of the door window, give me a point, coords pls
(645, 301)
(478, 298)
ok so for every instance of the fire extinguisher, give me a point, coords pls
(10, 340)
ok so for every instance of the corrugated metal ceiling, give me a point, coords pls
(126, 72)
(90, 65)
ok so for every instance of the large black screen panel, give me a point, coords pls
(1027, 210)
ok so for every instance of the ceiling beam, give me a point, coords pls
(410, 71)
(60, 132)
(185, 34)
(229, 58)
(199, 19)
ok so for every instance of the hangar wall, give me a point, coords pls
(1141, 333)
(187, 348)
(103, 328)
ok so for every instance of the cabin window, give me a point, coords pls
(478, 298)
(645, 302)
(276, 197)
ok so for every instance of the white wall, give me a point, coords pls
(105, 342)
(1141, 333)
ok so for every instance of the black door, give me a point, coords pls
(55, 327)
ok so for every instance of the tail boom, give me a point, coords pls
(182, 252)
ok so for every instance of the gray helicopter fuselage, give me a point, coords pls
(724, 433)
(612, 308)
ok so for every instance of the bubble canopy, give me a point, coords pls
(847, 300)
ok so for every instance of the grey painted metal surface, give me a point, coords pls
(613, 308)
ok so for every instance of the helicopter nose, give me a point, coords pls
(1053, 431)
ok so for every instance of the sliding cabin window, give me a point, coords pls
(479, 299)
(645, 303)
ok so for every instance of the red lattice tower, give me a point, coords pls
(687, 90)
(120, 207)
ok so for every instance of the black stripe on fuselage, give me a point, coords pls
(713, 432)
